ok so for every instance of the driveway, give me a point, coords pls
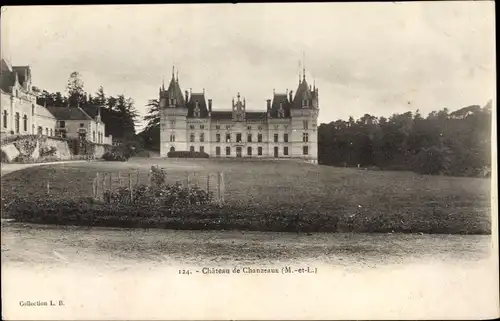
(9, 168)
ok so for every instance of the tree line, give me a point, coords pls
(448, 143)
(456, 143)
(119, 113)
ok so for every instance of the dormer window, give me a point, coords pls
(281, 112)
(305, 103)
(197, 110)
(172, 101)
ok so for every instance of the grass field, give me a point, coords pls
(462, 204)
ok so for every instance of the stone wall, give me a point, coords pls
(63, 151)
(31, 147)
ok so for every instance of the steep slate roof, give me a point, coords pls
(222, 115)
(44, 112)
(256, 115)
(275, 105)
(92, 110)
(9, 73)
(7, 76)
(202, 105)
(174, 91)
(69, 113)
(303, 93)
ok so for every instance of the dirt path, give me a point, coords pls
(9, 168)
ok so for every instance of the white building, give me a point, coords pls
(20, 113)
(287, 129)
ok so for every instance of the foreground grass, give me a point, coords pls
(270, 195)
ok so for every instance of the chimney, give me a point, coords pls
(210, 105)
(268, 104)
(187, 95)
(291, 95)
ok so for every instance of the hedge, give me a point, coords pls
(187, 154)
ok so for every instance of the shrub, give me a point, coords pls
(114, 156)
(187, 154)
(173, 196)
(157, 176)
(48, 151)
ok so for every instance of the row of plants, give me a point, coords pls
(180, 214)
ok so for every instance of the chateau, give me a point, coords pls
(287, 129)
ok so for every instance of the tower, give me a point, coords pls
(304, 113)
(173, 113)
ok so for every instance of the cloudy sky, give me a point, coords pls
(377, 58)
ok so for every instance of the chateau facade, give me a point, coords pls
(286, 130)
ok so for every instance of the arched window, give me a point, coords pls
(172, 149)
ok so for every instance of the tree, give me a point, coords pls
(74, 89)
(153, 117)
(100, 97)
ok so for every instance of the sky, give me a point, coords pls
(376, 58)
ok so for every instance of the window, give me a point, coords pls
(172, 101)
(259, 151)
(249, 151)
(305, 103)
(51, 133)
(228, 151)
(238, 137)
(285, 138)
(93, 135)
(228, 127)
(191, 149)
(172, 137)
(305, 123)
(46, 131)
(191, 126)
(202, 126)
(305, 137)
(276, 151)
(249, 138)
(39, 130)
(228, 138)
(33, 129)
(285, 151)
(32, 109)
(191, 138)
(5, 119)
(62, 124)
(217, 127)
(259, 138)
(25, 123)
(202, 137)
(81, 125)
(202, 149)
(217, 151)
(17, 122)
(249, 127)
(63, 134)
(275, 138)
(305, 150)
(172, 149)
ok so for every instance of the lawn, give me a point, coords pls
(457, 205)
